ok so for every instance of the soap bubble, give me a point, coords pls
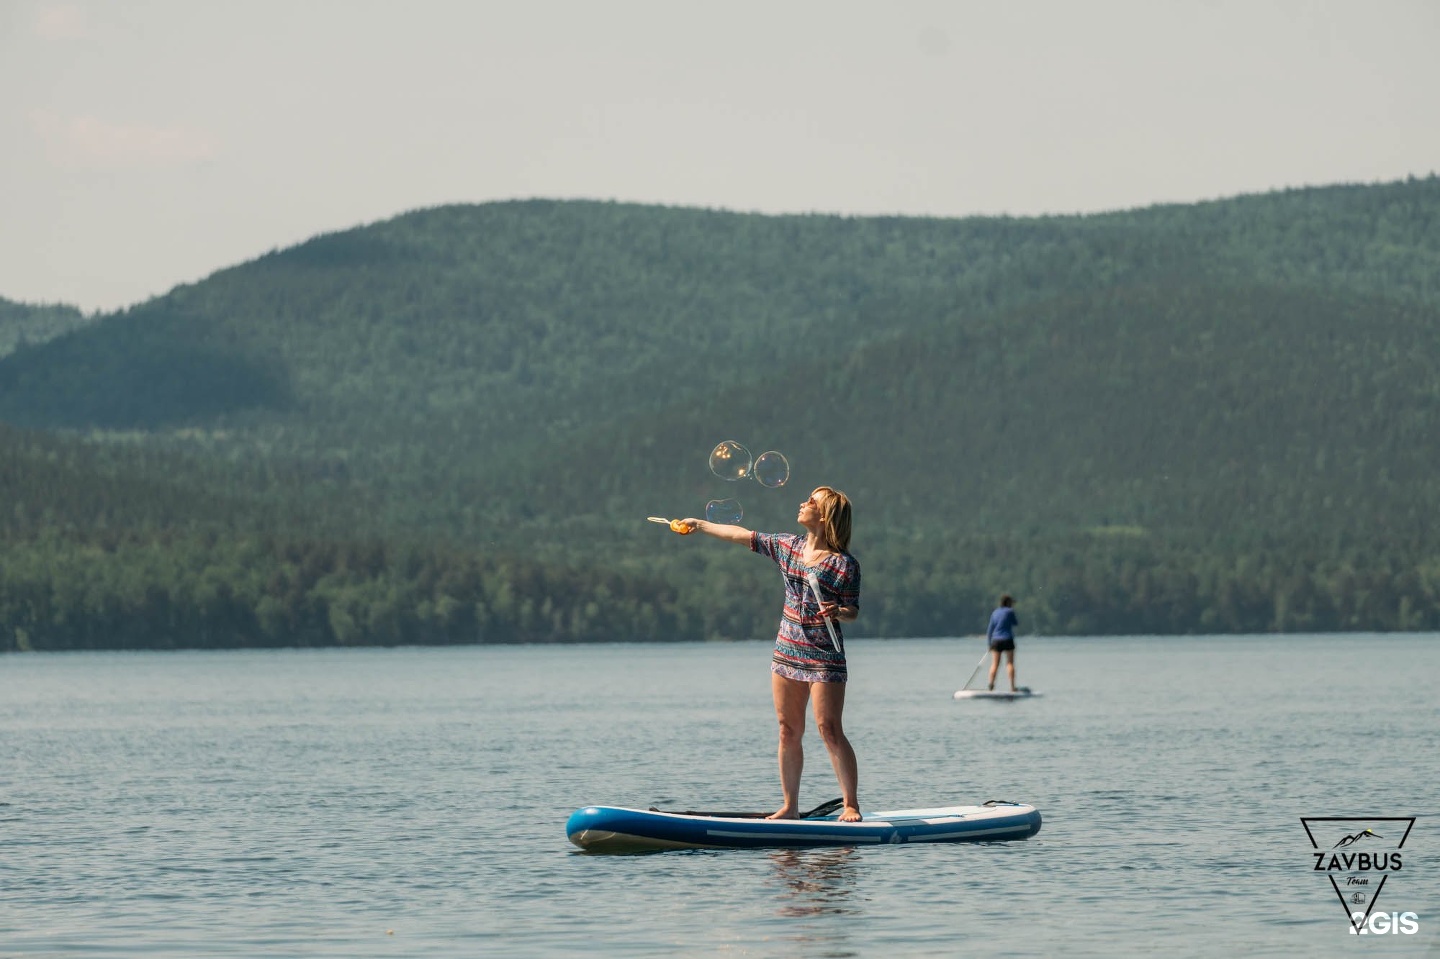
(730, 461)
(725, 511)
(772, 470)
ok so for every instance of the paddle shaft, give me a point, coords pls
(824, 809)
(977, 668)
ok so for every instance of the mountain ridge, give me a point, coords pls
(1184, 392)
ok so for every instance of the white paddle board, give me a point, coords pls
(1024, 692)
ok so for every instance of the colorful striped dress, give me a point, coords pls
(803, 650)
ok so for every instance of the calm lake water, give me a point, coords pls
(411, 802)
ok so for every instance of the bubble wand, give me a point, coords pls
(814, 582)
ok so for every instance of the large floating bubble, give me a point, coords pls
(726, 511)
(730, 461)
(772, 469)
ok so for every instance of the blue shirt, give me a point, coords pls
(1002, 624)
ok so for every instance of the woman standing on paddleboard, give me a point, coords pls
(1001, 636)
(809, 660)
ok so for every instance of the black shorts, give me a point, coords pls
(1003, 645)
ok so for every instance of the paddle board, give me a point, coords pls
(613, 829)
(1024, 692)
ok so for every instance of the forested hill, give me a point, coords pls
(25, 324)
(445, 426)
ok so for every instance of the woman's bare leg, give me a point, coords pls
(1010, 667)
(829, 699)
(790, 698)
(994, 666)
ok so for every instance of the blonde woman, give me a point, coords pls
(808, 665)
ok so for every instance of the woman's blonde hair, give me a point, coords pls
(834, 517)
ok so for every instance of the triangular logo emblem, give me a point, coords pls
(1357, 854)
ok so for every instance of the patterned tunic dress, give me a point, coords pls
(803, 650)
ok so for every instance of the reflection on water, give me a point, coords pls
(815, 882)
(818, 887)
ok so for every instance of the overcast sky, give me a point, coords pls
(145, 143)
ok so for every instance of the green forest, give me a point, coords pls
(23, 324)
(450, 426)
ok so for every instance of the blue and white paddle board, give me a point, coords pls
(612, 829)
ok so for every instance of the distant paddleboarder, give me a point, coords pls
(1002, 639)
(809, 660)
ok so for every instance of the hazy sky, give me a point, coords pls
(145, 143)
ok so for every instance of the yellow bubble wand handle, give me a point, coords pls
(676, 525)
(814, 582)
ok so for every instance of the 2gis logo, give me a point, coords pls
(1379, 923)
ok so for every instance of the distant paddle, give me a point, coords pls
(977, 669)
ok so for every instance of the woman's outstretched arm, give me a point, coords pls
(731, 534)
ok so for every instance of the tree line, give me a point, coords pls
(223, 592)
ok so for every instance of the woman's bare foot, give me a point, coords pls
(850, 814)
(787, 812)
